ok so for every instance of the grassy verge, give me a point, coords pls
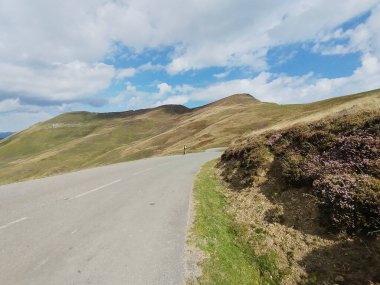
(228, 258)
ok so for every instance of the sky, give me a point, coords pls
(116, 55)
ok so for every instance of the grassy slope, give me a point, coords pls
(78, 140)
(229, 259)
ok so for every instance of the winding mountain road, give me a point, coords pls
(118, 224)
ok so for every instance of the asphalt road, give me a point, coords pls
(119, 224)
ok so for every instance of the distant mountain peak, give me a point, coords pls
(240, 98)
(173, 109)
(243, 96)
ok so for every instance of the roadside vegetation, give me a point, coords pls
(315, 189)
(227, 257)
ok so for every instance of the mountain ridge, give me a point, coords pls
(78, 140)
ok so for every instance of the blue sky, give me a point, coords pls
(116, 55)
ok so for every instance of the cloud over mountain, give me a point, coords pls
(83, 53)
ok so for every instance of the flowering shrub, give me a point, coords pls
(272, 140)
(340, 159)
(350, 202)
(351, 154)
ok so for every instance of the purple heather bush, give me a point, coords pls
(340, 159)
(337, 158)
(349, 202)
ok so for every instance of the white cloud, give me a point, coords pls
(250, 28)
(51, 31)
(130, 87)
(310, 19)
(10, 105)
(151, 67)
(221, 75)
(126, 72)
(118, 100)
(363, 38)
(185, 88)
(16, 121)
(175, 100)
(205, 33)
(74, 81)
(281, 88)
(140, 100)
(52, 53)
(133, 98)
(164, 88)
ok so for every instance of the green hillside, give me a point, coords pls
(80, 140)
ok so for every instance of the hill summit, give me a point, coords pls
(242, 98)
(239, 98)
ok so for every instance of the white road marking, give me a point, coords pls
(14, 222)
(94, 190)
(143, 171)
(43, 262)
(74, 231)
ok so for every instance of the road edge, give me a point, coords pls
(192, 254)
